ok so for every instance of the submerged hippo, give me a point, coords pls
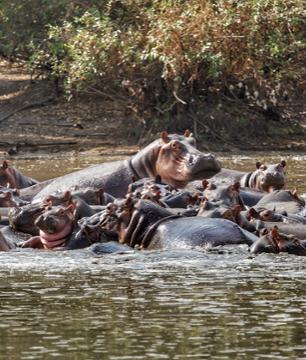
(275, 242)
(173, 157)
(282, 201)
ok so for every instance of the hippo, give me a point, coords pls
(210, 209)
(23, 218)
(90, 231)
(161, 193)
(282, 201)
(250, 197)
(11, 177)
(149, 226)
(265, 177)
(272, 241)
(55, 227)
(227, 195)
(292, 228)
(9, 239)
(10, 198)
(173, 157)
(109, 247)
(93, 196)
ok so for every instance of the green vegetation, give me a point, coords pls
(161, 52)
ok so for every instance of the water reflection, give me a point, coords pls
(187, 304)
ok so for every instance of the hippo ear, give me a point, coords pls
(236, 210)
(204, 203)
(258, 164)
(100, 192)
(205, 184)
(129, 201)
(164, 136)
(274, 232)
(71, 208)
(283, 163)
(100, 195)
(236, 186)
(8, 195)
(188, 133)
(227, 214)
(253, 213)
(67, 196)
(295, 193)
(157, 195)
(4, 164)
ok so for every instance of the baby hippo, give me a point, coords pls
(55, 227)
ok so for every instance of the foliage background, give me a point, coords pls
(165, 58)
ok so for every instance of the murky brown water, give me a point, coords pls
(193, 304)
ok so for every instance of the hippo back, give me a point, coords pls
(196, 231)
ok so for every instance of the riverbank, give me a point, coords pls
(34, 119)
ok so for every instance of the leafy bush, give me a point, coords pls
(160, 50)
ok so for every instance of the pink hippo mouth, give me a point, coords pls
(50, 241)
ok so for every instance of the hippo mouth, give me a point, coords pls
(57, 239)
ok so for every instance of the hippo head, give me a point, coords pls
(269, 177)
(272, 241)
(177, 160)
(7, 176)
(23, 218)
(55, 225)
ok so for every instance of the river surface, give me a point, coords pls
(184, 304)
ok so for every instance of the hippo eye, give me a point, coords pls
(175, 145)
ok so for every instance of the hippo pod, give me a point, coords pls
(149, 226)
(173, 157)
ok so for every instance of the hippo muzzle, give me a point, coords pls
(202, 166)
(274, 180)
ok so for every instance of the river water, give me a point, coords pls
(184, 304)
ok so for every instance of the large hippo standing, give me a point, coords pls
(173, 157)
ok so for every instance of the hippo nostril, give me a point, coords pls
(191, 160)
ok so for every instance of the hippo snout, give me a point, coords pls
(48, 223)
(203, 166)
